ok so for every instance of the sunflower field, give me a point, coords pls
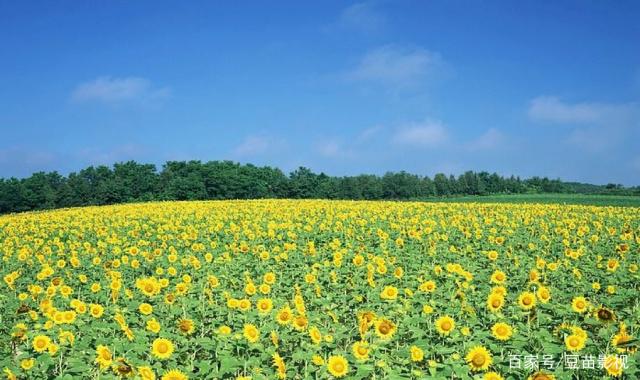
(282, 289)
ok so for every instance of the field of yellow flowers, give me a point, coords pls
(279, 289)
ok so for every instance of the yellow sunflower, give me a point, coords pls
(479, 358)
(541, 375)
(416, 353)
(492, 376)
(338, 366)
(389, 293)
(264, 305)
(579, 304)
(251, 333)
(385, 328)
(575, 342)
(174, 374)
(315, 335)
(445, 324)
(284, 316)
(104, 357)
(145, 308)
(527, 300)
(544, 294)
(162, 348)
(495, 302)
(502, 331)
(186, 326)
(361, 350)
(614, 365)
(41, 343)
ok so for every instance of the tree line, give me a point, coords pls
(194, 180)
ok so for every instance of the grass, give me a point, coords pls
(572, 199)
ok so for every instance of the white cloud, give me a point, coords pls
(489, 140)
(396, 66)
(369, 133)
(552, 109)
(597, 128)
(425, 134)
(330, 148)
(363, 17)
(117, 90)
(253, 145)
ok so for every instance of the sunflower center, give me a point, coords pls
(478, 360)
(526, 301)
(338, 367)
(163, 348)
(495, 303)
(446, 325)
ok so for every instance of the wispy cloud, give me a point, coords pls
(364, 17)
(257, 144)
(396, 66)
(552, 109)
(491, 139)
(117, 90)
(428, 134)
(595, 127)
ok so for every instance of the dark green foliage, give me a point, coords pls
(194, 180)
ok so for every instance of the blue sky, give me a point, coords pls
(527, 88)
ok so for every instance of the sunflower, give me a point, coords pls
(162, 348)
(244, 304)
(445, 325)
(604, 315)
(541, 375)
(543, 294)
(575, 342)
(224, 330)
(264, 305)
(416, 354)
(502, 331)
(300, 322)
(622, 339)
(527, 300)
(612, 265)
(146, 373)
(284, 316)
(614, 365)
(498, 277)
(492, 376)
(186, 326)
(361, 350)
(41, 343)
(153, 325)
(495, 302)
(145, 308)
(315, 334)
(278, 363)
(104, 357)
(579, 304)
(27, 364)
(389, 293)
(174, 374)
(428, 286)
(385, 328)
(337, 366)
(251, 333)
(479, 358)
